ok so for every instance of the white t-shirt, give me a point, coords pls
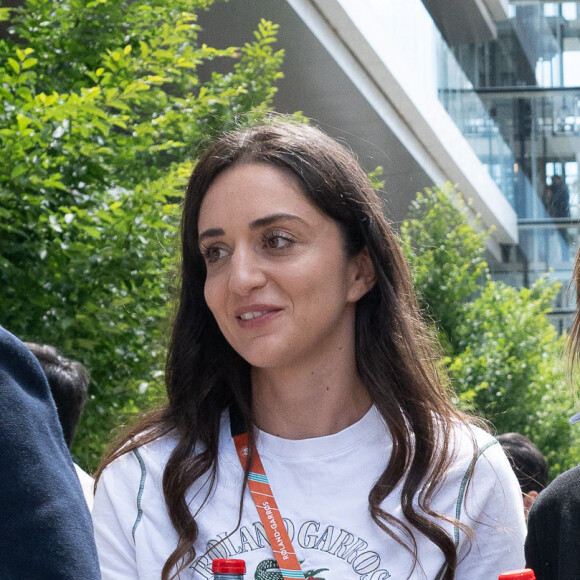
(321, 486)
(88, 485)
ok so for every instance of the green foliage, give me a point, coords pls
(447, 257)
(101, 112)
(503, 354)
(375, 178)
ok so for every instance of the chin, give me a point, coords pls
(264, 358)
(261, 362)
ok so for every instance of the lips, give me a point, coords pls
(252, 315)
(255, 312)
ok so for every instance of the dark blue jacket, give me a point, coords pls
(45, 526)
(553, 541)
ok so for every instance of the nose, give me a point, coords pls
(246, 272)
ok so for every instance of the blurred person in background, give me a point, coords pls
(69, 385)
(559, 201)
(529, 465)
(558, 206)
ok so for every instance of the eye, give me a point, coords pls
(277, 240)
(212, 254)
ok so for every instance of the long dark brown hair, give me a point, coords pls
(394, 354)
(573, 344)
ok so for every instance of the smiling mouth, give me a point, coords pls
(252, 315)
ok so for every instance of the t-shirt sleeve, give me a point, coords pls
(116, 514)
(491, 505)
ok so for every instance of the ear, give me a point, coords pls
(362, 275)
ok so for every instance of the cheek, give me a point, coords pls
(324, 287)
(211, 295)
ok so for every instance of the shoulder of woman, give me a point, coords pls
(564, 490)
(468, 439)
(476, 450)
(487, 486)
(150, 457)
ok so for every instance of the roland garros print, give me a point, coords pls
(309, 536)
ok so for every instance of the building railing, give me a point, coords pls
(549, 243)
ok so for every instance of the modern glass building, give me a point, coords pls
(482, 93)
(528, 79)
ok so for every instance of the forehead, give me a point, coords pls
(247, 192)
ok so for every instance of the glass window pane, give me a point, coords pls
(570, 10)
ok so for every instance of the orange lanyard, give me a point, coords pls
(268, 511)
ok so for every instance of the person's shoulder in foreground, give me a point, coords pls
(45, 530)
(553, 542)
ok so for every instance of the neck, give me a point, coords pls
(309, 403)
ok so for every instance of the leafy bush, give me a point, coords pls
(101, 113)
(503, 355)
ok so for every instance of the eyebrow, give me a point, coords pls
(255, 225)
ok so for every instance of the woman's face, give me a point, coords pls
(279, 283)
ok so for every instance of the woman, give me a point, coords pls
(297, 318)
